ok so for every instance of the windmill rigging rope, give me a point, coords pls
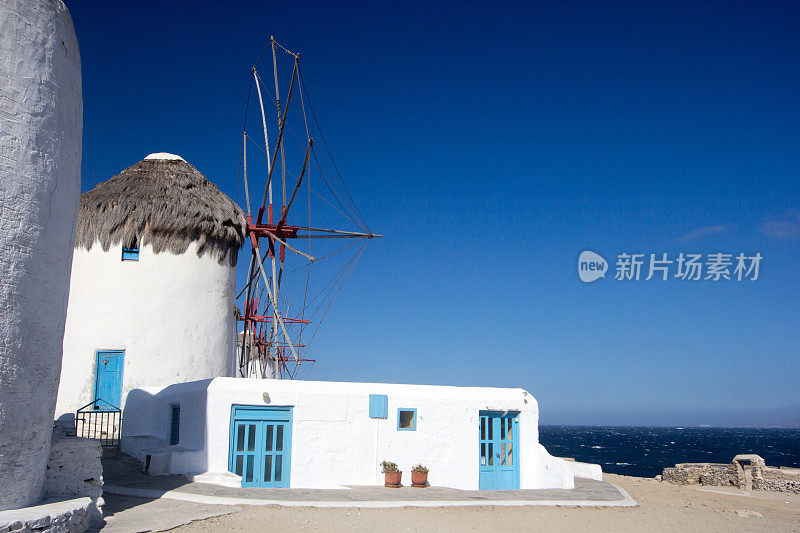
(332, 283)
(363, 224)
(350, 212)
(341, 196)
(304, 95)
(341, 285)
(335, 196)
(255, 143)
(325, 143)
(254, 275)
(318, 195)
(244, 128)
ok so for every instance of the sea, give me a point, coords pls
(646, 451)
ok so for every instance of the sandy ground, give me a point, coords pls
(662, 507)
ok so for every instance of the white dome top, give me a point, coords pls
(165, 155)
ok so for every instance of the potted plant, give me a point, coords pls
(419, 476)
(392, 474)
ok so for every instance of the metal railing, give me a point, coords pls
(99, 420)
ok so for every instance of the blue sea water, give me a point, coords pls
(646, 451)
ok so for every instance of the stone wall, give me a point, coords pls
(74, 469)
(719, 476)
(777, 479)
(701, 474)
(66, 516)
(744, 472)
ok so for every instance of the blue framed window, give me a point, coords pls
(175, 425)
(406, 419)
(378, 406)
(131, 251)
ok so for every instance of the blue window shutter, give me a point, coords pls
(378, 406)
(175, 425)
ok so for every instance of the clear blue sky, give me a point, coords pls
(491, 143)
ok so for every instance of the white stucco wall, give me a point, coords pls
(587, 470)
(41, 121)
(334, 441)
(172, 314)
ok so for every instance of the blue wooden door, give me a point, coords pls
(261, 444)
(243, 451)
(275, 454)
(108, 381)
(499, 450)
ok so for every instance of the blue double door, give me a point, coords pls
(261, 445)
(108, 379)
(499, 450)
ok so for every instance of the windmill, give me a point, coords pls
(274, 322)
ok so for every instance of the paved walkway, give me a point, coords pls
(121, 476)
(126, 514)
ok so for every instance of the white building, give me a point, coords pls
(151, 298)
(41, 121)
(317, 434)
(151, 328)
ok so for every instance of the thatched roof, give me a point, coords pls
(165, 202)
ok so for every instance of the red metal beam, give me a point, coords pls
(283, 232)
(263, 318)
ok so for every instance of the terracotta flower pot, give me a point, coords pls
(393, 479)
(419, 479)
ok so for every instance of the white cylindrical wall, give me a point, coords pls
(172, 314)
(41, 121)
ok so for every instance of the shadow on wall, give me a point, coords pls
(67, 419)
(150, 420)
(146, 428)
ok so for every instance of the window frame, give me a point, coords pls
(131, 252)
(413, 418)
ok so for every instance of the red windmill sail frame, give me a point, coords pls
(265, 335)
